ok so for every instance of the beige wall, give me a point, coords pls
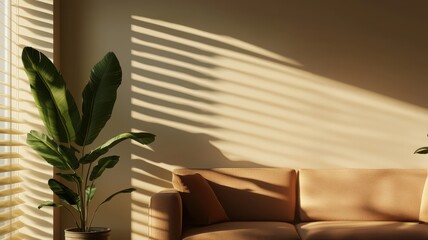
(302, 84)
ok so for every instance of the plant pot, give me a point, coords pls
(96, 233)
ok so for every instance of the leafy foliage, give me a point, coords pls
(66, 129)
(56, 105)
(422, 150)
(63, 192)
(53, 153)
(142, 137)
(99, 97)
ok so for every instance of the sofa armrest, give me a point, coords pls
(165, 216)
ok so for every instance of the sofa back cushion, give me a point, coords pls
(252, 194)
(199, 199)
(360, 194)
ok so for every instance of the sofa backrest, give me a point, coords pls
(252, 194)
(360, 194)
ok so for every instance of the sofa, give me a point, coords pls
(282, 203)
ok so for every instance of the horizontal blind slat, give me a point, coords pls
(8, 96)
(6, 84)
(11, 227)
(20, 236)
(10, 131)
(11, 191)
(11, 143)
(8, 119)
(4, 155)
(10, 180)
(10, 168)
(9, 215)
(11, 203)
(5, 107)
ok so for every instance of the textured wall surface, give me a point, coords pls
(302, 84)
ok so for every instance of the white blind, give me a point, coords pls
(10, 140)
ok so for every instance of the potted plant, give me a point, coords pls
(64, 146)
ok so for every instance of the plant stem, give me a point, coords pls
(90, 193)
(79, 208)
(74, 217)
(87, 200)
(93, 216)
(83, 198)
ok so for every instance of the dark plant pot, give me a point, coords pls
(96, 233)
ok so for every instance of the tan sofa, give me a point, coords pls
(279, 203)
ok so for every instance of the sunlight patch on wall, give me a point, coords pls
(258, 103)
(216, 101)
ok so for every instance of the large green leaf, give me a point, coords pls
(53, 153)
(90, 193)
(422, 150)
(53, 204)
(103, 164)
(128, 190)
(63, 192)
(141, 137)
(99, 97)
(49, 204)
(56, 105)
(71, 177)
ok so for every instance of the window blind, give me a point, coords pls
(10, 136)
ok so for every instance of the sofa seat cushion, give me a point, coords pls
(243, 231)
(364, 230)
